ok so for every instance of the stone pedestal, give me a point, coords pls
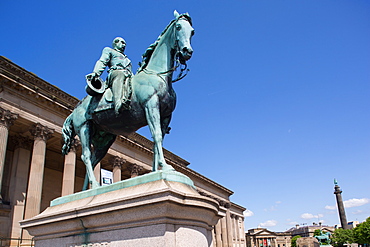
(308, 242)
(157, 209)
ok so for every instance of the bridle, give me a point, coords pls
(182, 64)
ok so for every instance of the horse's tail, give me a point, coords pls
(68, 134)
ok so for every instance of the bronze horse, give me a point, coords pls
(152, 103)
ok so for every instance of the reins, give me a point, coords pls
(178, 64)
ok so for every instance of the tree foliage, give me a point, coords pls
(360, 235)
(340, 237)
(293, 241)
(318, 232)
(362, 232)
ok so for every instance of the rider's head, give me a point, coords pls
(119, 44)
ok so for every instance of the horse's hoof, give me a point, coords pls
(95, 186)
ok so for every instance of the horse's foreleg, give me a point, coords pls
(86, 183)
(85, 137)
(154, 121)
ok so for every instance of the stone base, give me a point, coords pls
(157, 213)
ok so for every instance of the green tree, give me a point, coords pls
(293, 242)
(317, 232)
(341, 237)
(362, 232)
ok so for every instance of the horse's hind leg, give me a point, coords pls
(85, 137)
(101, 147)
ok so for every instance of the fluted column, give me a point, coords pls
(6, 120)
(224, 232)
(118, 162)
(97, 173)
(237, 229)
(69, 170)
(19, 176)
(134, 169)
(229, 228)
(243, 241)
(341, 211)
(218, 234)
(41, 134)
(33, 203)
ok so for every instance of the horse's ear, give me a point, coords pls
(176, 14)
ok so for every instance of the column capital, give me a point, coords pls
(41, 132)
(75, 144)
(134, 169)
(21, 142)
(118, 162)
(7, 118)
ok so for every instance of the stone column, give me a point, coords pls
(233, 228)
(41, 134)
(97, 173)
(229, 228)
(243, 239)
(117, 168)
(218, 239)
(224, 232)
(19, 176)
(238, 240)
(6, 120)
(69, 170)
(33, 203)
(341, 211)
(134, 169)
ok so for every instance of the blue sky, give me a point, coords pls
(276, 103)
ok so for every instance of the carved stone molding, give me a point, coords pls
(134, 169)
(222, 203)
(41, 131)
(118, 162)
(7, 118)
(21, 142)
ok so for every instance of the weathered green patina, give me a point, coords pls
(323, 238)
(97, 121)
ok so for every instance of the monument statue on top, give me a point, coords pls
(97, 120)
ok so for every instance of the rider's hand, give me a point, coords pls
(90, 76)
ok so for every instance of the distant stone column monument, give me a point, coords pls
(342, 213)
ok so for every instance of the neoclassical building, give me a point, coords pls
(261, 237)
(33, 171)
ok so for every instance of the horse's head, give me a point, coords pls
(183, 33)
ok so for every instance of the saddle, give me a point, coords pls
(106, 100)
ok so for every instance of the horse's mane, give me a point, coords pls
(149, 52)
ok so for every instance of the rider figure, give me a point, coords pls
(119, 70)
